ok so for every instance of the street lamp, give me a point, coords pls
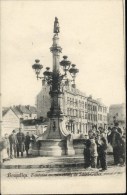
(73, 71)
(50, 76)
(65, 64)
(37, 67)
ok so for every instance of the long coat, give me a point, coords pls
(13, 139)
(27, 142)
(102, 145)
(115, 139)
(21, 140)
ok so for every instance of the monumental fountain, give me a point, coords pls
(56, 140)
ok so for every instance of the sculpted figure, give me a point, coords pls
(56, 26)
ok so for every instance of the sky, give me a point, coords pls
(91, 35)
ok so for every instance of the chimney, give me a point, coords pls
(28, 107)
(99, 100)
(90, 96)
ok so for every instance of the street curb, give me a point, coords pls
(42, 166)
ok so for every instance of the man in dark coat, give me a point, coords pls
(115, 140)
(119, 130)
(20, 142)
(27, 143)
(102, 150)
(87, 143)
(13, 144)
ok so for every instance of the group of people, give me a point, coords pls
(15, 144)
(117, 140)
(96, 145)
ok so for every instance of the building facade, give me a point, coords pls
(81, 113)
(10, 121)
(74, 109)
(43, 101)
(102, 115)
(25, 111)
(12, 117)
(92, 113)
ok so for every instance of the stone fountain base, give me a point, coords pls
(52, 147)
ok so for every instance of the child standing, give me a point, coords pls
(93, 153)
(102, 149)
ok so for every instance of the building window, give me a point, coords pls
(68, 111)
(79, 113)
(68, 100)
(76, 113)
(80, 127)
(79, 103)
(72, 112)
(82, 114)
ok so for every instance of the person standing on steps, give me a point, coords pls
(20, 142)
(86, 152)
(13, 144)
(27, 143)
(102, 150)
(115, 140)
(93, 153)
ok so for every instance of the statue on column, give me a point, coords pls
(56, 26)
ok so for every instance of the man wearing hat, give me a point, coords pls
(13, 144)
(86, 152)
(20, 142)
(116, 124)
(115, 141)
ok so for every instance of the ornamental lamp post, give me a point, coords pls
(37, 67)
(54, 142)
(65, 64)
(73, 71)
